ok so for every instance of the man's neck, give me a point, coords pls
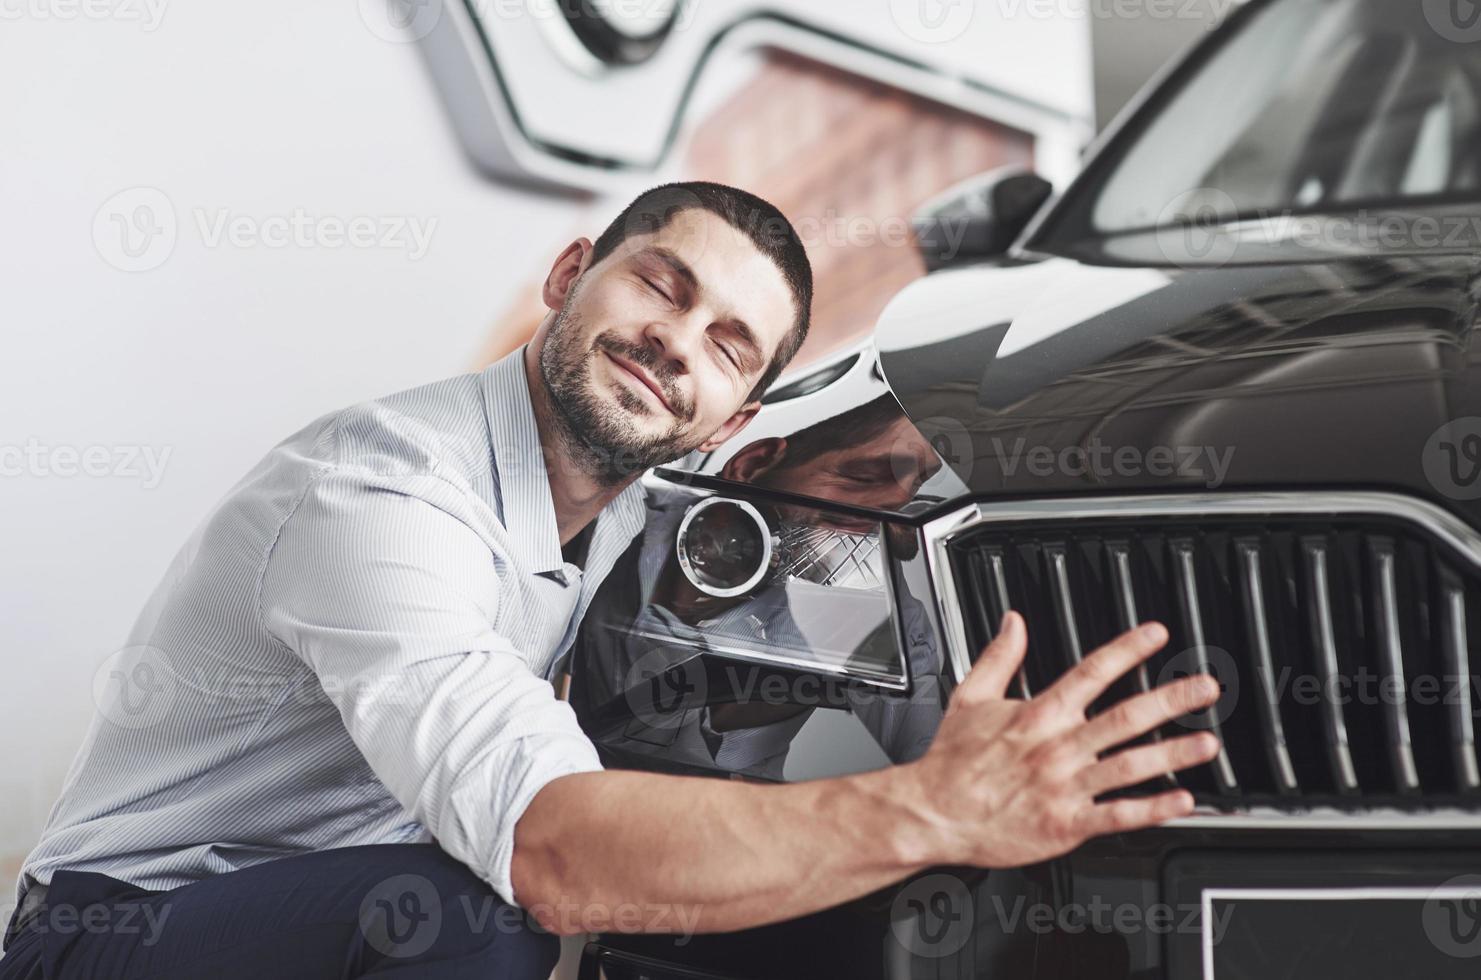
(578, 496)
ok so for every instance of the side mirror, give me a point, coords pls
(980, 217)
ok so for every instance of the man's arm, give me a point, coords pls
(1005, 783)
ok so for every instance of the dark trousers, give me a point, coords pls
(394, 910)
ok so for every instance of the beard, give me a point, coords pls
(601, 437)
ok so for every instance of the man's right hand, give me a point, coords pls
(1009, 782)
(1005, 783)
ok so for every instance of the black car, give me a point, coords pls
(1229, 380)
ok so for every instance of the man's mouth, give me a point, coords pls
(641, 376)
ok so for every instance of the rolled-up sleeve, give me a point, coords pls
(391, 598)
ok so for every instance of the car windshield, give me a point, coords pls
(1311, 105)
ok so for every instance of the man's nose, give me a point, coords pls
(676, 341)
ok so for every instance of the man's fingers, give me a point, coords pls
(1122, 816)
(1091, 678)
(1141, 713)
(999, 661)
(1146, 762)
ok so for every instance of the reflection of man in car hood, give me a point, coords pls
(649, 615)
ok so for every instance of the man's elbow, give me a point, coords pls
(545, 889)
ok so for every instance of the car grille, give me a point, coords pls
(1343, 641)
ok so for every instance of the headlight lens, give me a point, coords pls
(724, 547)
(791, 584)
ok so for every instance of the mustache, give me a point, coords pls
(663, 373)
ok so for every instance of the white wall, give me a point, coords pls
(253, 109)
(256, 112)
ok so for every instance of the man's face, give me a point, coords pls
(658, 346)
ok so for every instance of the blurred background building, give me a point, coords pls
(224, 220)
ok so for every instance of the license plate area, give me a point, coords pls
(1353, 933)
(1354, 914)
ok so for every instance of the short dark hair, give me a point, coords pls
(759, 220)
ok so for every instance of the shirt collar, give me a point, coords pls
(524, 487)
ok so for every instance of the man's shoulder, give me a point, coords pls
(435, 429)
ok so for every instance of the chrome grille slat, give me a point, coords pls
(1457, 662)
(1064, 609)
(1123, 598)
(1395, 708)
(1258, 630)
(1324, 640)
(1187, 585)
(998, 582)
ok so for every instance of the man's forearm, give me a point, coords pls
(1004, 783)
(724, 855)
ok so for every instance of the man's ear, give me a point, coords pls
(572, 262)
(757, 458)
(731, 428)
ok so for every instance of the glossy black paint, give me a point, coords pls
(1302, 375)
(1078, 366)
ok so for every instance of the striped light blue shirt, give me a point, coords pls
(355, 647)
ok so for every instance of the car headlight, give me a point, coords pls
(792, 585)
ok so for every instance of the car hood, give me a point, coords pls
(1058, 377)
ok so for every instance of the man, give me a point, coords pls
(332, 749)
